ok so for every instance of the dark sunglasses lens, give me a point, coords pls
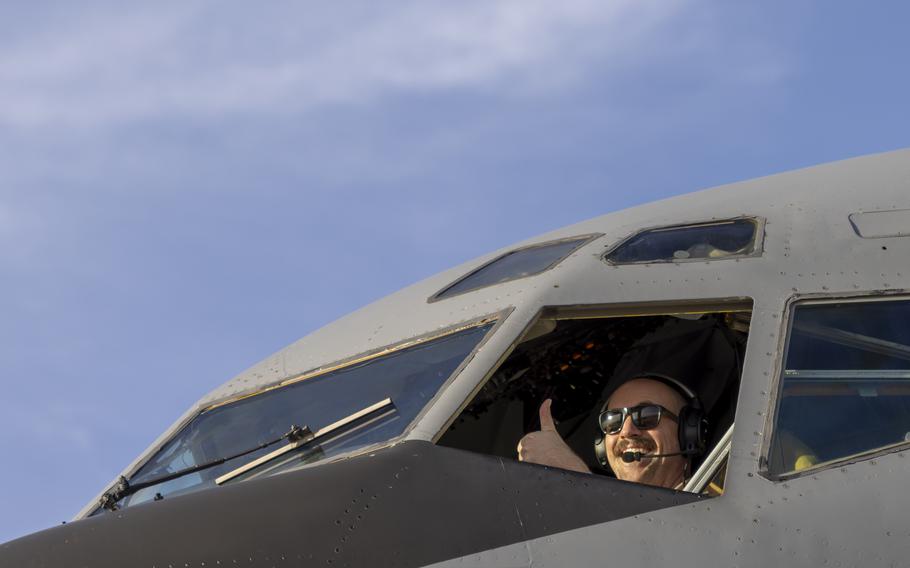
(648, 417)
(611, 421)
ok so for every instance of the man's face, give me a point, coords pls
(664, 439)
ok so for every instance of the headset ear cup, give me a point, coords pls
(600, 450)
(693, 430)
(702, 433)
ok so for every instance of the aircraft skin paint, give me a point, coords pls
(421, 499)
(854, 513)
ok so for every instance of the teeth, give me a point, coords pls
(636, 449)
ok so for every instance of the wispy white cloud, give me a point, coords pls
(113, 65)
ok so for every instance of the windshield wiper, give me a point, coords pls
(124, 488)
(296, 437)
(337, 428)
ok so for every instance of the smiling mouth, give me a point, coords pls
(634, 445)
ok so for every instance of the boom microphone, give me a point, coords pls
(630, 456)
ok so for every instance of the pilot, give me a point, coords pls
(644, 422)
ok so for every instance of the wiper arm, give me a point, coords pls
(336, 428)
(124, 488)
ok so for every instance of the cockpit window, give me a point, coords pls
(704, 241)
(410, 377)
(845, 389)
(578, 363)
(515, 264)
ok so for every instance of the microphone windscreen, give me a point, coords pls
(630, 457)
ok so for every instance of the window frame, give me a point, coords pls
(786, 328)
(718, 455)
(758, 248)
(583, 240)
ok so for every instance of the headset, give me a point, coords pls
(692, 427)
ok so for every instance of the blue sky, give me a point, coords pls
(186, 187)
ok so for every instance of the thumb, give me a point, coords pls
(546, 419)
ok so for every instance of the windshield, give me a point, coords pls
(410, 377)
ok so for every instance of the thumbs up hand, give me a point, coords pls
(547, 424)
(546, 446)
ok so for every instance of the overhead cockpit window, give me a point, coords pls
(358, 405)
(845, 389)
(704, 241)
(515, 264)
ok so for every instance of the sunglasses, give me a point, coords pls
(644, 417)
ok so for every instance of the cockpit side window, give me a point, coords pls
(410, 376)
(578, 363)
(845, 387)
(717, 240)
